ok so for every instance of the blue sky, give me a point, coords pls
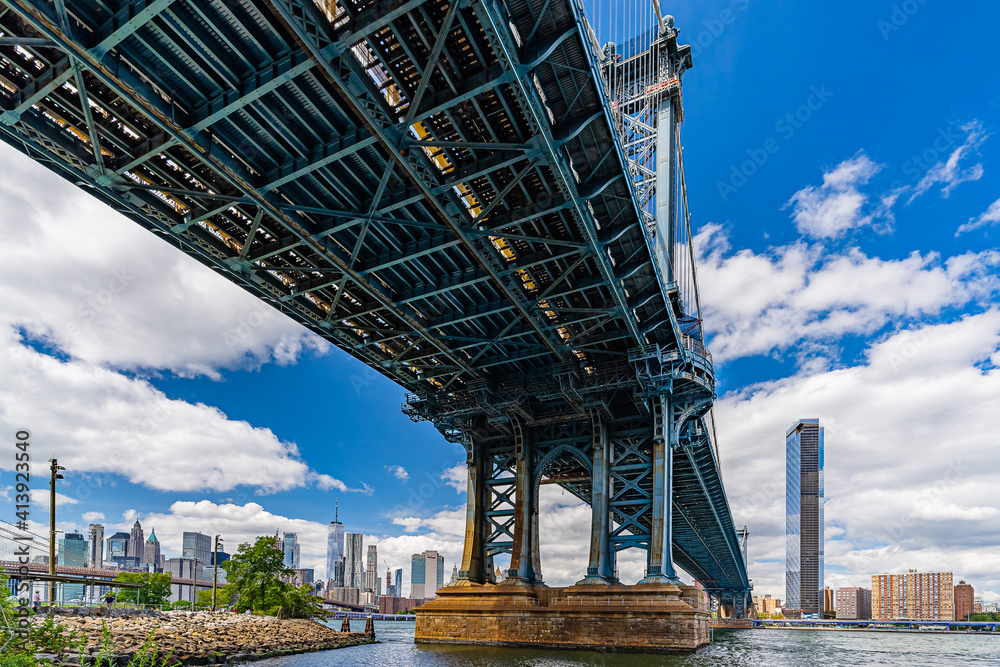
(837, 284)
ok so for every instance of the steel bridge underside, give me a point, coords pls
(435, 187)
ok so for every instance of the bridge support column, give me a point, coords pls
(524, 557)
(475, 564)
(600, 569)
(660, 562)
(666, 158)
(742, 602)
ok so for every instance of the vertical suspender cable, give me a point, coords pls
(694, 280)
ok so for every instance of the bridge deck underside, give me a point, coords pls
(436, 188)
(271, 131)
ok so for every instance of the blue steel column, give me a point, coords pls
(474, 561)
(524, 554)
(600, 569)
(660, 562)
(666, 150)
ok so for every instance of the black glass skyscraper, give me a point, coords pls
(804, 517)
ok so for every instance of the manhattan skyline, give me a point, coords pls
(852, 276)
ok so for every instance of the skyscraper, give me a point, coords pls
(335, 549)
(372, 582)
(389, 588)
(290, 545)
(399, 582)
(135, 541)
(183, 568)
(196, 545)
(72, 552)
(95, 552)
(426, 574)
(354, 572)
(117, 551)
(151, 552)
(804, 517)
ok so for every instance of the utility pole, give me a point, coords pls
(215, 570)
(194, 583)
(54, 468)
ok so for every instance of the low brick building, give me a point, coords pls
(391, 604)
(965, 600)
(854, 603)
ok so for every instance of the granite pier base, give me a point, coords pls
(645, 618)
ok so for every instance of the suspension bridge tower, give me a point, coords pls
(635, 464)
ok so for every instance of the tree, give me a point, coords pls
(7, 601)
(255, 573)
(987, 617)
(154, 589)
(225, 597)
(297, 603)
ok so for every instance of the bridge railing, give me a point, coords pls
(697, 348)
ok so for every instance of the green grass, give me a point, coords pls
(17, 660)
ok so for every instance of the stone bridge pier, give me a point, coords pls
(624, 469)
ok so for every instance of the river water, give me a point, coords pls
(732, 648)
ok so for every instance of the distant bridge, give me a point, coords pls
(94, 576)
(472, 197)
(834, 624)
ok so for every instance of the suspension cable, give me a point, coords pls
(694, 279)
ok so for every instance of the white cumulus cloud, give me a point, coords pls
(838, 205)
(96, 420)
(108, 296)
(801, 294)
(104, 290)
(40, 497)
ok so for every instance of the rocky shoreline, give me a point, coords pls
(196, 638)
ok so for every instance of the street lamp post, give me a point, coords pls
(194, 583)
(54, 469)
(215, 570)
